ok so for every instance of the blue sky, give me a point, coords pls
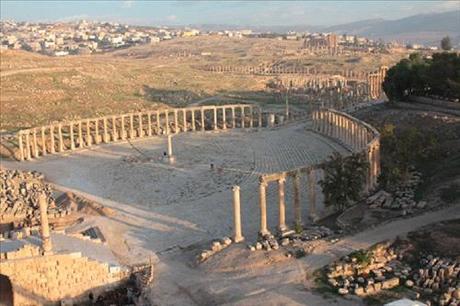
(219, 12)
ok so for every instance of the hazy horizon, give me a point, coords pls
(235, 13)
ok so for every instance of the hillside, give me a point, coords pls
(425, 28)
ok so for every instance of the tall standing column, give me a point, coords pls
(97, 139)
(158, 122)
(242, 117)
(224, 119)
(105, 135)
(233, 117)
(176, 122)
(237, 236)
(149, 123)
(88, 133)
(122, 128)
(202, 120)
(282, 204)
(131, 126)
(251, 117)
(141, 126)
(193, 120)
(21, 146)
(61, 139)
(45, 229)
(72, 139)
(312, 193)
(259, 113)
(215, 118)
(184, 120)
(114, 129)
(80, 135)
(34, 136)
(297, 208)
(44, 152)
(263, 208)
(28, 154)
(52, 145)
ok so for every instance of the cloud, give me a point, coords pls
(171, 18)
(127, 3)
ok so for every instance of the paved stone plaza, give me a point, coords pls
(167, 205)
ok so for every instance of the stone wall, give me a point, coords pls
(44, 280)
(70, 136)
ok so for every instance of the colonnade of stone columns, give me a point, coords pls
(355, 134)
(68, 136)
(375, 80)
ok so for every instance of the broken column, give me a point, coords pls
(237, 237)
(45, 229)
(171, 157)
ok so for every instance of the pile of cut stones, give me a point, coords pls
(402, 199)
(271, 242)
(438, 278)
(433, 279)
(217, 246)
(19, 193)
(367, 272)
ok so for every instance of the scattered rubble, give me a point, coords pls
(384, 266)
(19, 193)
(403, 198)
(216, 247)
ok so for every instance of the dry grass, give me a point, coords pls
(37, 89)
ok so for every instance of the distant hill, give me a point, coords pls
(423, 28)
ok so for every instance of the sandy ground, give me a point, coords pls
(171, 213)
(161, 207)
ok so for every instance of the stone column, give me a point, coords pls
(114, 129)
(149, 122)
(28, 154)
(171, 157)
(52, 145)
(131, 126)
(242, 117)
(122, 128)
(45, 229)
(271, 120)
(297, 208)
(141, 126)
(21, 146)
(43, 141)
(34, 136)
(193, 120)
(224, 119)
(72, 140)
(215, 118)
(233, 117)
(105, 137)
(259, 113)
(251, 117)
(312, 193)
(96, 131)
(80, 135)
(61, 139)
(237, 236)
(203, 128)
(184, 120)
(263, 208)
(282, 204)
(176, 122)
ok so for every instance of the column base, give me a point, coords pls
(264, 233)
(238, 239)
(171, 159)
(282, 229)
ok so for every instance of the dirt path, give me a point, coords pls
(239, 277)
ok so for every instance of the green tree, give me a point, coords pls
(344, 179)
(446, 44)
